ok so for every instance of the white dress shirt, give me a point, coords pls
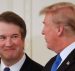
(15, 67)
(66, 52)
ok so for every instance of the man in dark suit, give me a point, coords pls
(30, 65)
(12, 40)
(59, 33)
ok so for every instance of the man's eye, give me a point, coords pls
(15, 36)
(2, 37)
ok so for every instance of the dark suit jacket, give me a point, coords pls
(67, 65)
(30, 65)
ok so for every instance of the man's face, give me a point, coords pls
(11, 42)
(50, 32)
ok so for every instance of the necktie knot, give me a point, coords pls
(56, 63)
(6, 69)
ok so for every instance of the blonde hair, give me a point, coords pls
(63, 13)
(56, 6)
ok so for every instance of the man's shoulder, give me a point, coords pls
(51, 61)
(30, 61)
(49, 64)
(30, 65)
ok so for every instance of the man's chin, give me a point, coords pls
(49, 48)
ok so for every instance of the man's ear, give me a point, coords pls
(60, 30)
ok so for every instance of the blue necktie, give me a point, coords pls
(56, 63)
(6, 69)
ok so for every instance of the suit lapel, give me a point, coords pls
(26, 64)
(48, 66)
(68, 61)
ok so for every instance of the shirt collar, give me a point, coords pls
(15, 67)
(67, 51)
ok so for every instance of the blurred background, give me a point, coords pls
(35, 45)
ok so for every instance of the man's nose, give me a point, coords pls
(8, 41)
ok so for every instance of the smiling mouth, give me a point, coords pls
(9, 49)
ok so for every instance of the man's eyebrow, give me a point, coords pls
(2, 35)
(15, 34)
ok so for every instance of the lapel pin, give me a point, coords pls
(68, 63)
